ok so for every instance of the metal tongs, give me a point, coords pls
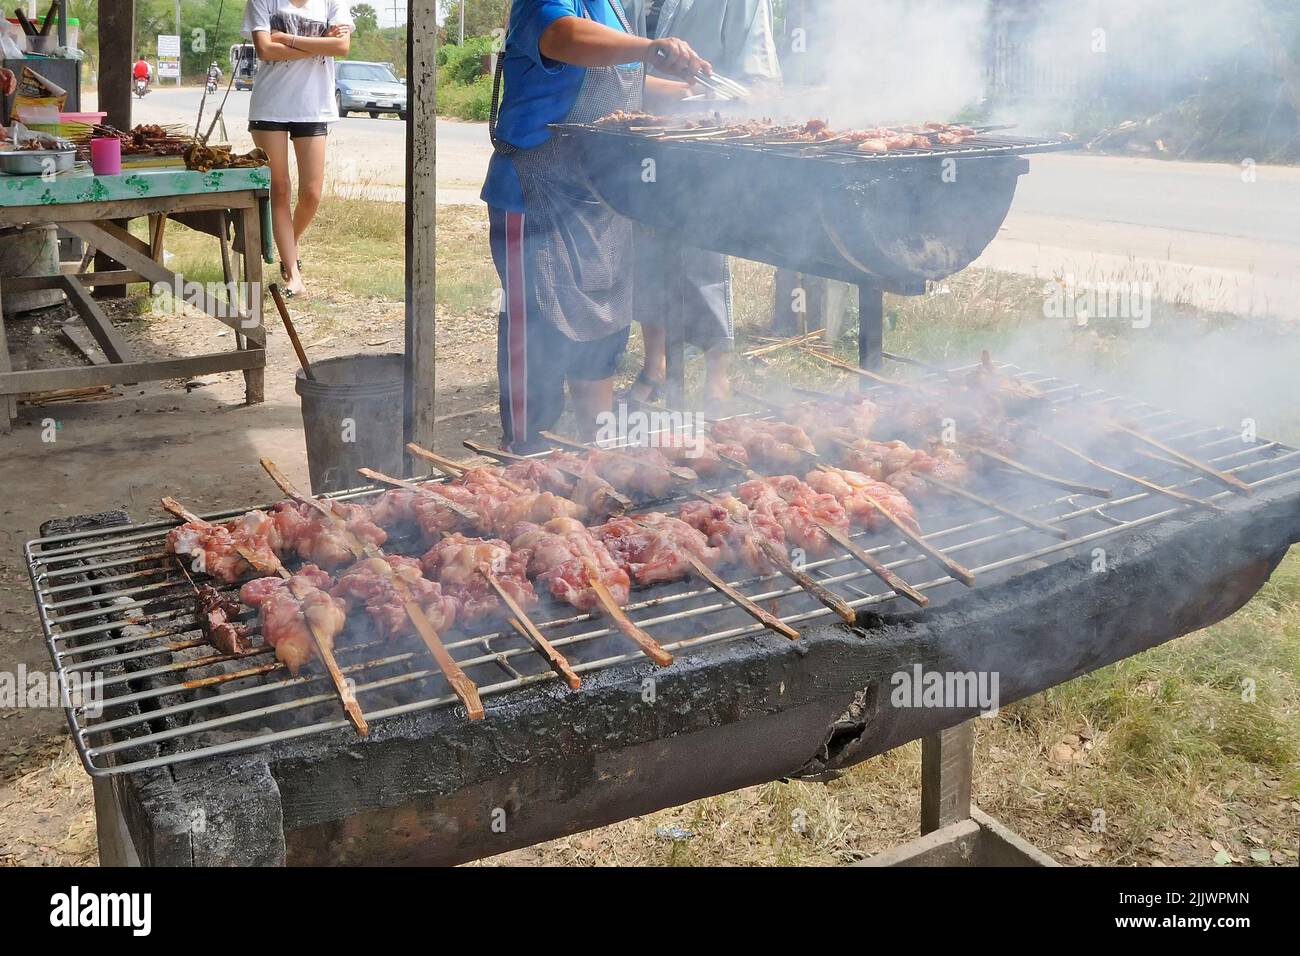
(720, 86)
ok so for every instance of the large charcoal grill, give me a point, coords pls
(740, 706)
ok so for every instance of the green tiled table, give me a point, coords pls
(95, 209)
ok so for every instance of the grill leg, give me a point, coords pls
(675, 365)
(947, 760)
(871, 326)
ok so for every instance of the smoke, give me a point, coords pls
(895, 61)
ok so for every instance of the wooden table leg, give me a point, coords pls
(8, 403)
(254, 378)
(947, 761)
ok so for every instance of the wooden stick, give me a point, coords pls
(892, 580)
(524, 624)
(992, 505)
(293, 333)
(1037, 475)
(1148, 485)
(460, 682)
(341, 686)
(622, 501)
(456, 469)
(1231, 482)
(681, 474)
(952, 567)
(827, 597)
(866, 373)
(770, 621)
(649, 646)
(784, 343)
(469, 514)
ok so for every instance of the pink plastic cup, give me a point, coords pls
(106, 155)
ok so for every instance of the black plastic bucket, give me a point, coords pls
(352, 416)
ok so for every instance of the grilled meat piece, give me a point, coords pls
(705, 456)
(218, 615)
(796, 507)
(852, 490)
(557, 552)
(457, 563)
(731, 527)
(306, 532)
(214, 548)
(768, 444)
(369, 584)
(290, 615)
(655, 547)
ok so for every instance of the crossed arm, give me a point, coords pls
(272, 45)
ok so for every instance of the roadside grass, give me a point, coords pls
(1169, 745)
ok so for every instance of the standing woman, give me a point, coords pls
(293, 102)
(565, 259)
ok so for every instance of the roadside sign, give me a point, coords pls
(169, 57)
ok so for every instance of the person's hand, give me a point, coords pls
(674, 56)
(339, 30)
(285, 39)
(8, 82)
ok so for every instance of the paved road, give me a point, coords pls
(1202, 233)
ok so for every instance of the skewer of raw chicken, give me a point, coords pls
(299, 619)
(460, 682)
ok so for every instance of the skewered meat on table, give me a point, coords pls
(557, 554)
(655, 547)
(569, 476)
(853, 491)
(218, 615)
(733, 528)
(634, 470)
(796, 507)
(457, 563)
(369, 584)
(773, 445)
(290, 613)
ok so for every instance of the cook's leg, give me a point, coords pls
(717, 375)
(311, 181)
(275, 144)
(655, 370)
(590, 401)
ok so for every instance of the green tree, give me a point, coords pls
(482, 17)
(365, 17)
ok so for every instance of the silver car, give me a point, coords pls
(368, 88)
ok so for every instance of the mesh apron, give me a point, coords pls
(580, 251)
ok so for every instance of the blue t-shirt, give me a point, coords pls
(537, 90)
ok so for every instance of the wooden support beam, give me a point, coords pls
(116, 57)
(947, 761)
(421, 222)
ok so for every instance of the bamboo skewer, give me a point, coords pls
(681, 474)
(1034, 473)
(952, 567)
(620, 499)
(347, 696)
(866, 373)
(823, 594)
(469, 514)
(768, 620)
(649, 646)
(783, 344)
(1231, 482)
(454, 468)
(460, 682)
(892, 580)
(992, 505)
(1148, 485)
(525, 626)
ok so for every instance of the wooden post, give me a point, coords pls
(116, 57)
(947, 760)
(421, 222)
(871, 327)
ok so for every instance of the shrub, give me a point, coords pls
(464, 64)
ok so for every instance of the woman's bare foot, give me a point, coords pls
(293, 284)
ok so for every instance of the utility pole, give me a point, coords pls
(462, 22)
(181, 66)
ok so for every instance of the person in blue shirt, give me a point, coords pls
(564, 258)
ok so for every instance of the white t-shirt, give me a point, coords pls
(295, 91)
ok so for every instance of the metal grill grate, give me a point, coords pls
(112, 603)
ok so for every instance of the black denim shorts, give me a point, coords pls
(295, 130)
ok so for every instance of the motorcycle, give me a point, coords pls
(212, 85)
(141, 88)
